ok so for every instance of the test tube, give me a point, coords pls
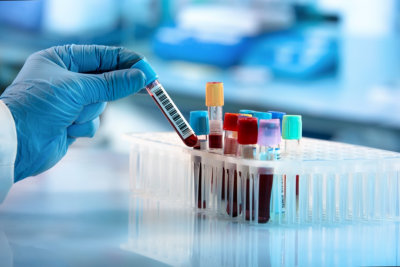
(230, 128)
(291, 133)
(247, 137)
(215, 102)
(165, 103)
(199, 121)
(230, 149)
(200, 125)
(278, 115)
(269, 138)
(247, 140)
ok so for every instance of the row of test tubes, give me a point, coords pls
(249, 135)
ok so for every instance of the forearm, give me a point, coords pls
(8, 150)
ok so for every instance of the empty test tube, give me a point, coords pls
(165, 103)
(215, 102)
(200, 124)
(291, 133)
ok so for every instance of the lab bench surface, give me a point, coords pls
(80, 213)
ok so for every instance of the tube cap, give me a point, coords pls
(230, 121)
(269, 132)
(291, 127)
(245, 115)
(247, 131)
(247, 111)
(199, 122)
(146, 68)
(262, 115)
(278, 115)
(214, 94)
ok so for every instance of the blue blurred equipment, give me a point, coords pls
(58, 96)
(22, 14)
(219, 34)
(294, 55)
(210, 34)
(174, 43)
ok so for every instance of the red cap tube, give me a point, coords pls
(247, 131)
(230, 121)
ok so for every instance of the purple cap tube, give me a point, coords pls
(269, 133)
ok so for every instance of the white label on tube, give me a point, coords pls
(172, 111)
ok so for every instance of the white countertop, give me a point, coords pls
(80, 213)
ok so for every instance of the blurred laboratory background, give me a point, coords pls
(335, 62)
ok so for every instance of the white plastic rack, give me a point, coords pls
(324, 182)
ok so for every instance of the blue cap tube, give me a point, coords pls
(199, 121)
(278, 115)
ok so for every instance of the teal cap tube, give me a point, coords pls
(292, 127)
(146, 68)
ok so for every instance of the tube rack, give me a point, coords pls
(324, 182)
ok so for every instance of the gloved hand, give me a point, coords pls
(58, 96)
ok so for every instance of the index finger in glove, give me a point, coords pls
(91, 58)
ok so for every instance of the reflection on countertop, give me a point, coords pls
(164, 231)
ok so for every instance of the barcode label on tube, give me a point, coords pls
(172, 111)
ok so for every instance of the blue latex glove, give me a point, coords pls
(58, 96)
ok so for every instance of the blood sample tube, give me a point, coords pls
(215, 102)
(165, 103)
(247, 139)
(230, 128)
(269, 138)
(200, 124)
(230, 148)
